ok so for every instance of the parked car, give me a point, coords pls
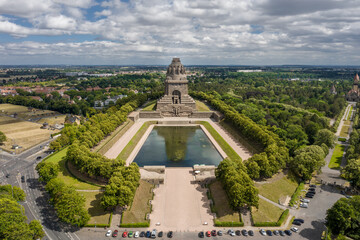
(136, 234)
(208, 234)
(269, 232)
(288, 232)
(312, 185)
(124, 235)
(276, 232)
(220, 233)
(115, 233)
(7, 175)
(309, 195)
(311, 189)
(201, 234)
(231, 232)
(108, 233)
(262, 232)
(22, 178)
(303, 205)
(237, 232)
(281, 233)
(251, 232)
(170, 234)
(294, 229)
(305, 200)
(311, 192)
(142, 234)
(148, 234)
(130, 234)
(213, 233)
(160, 234)
(296, 223)
(38, 157)
(153, 233)
(244, 232)
(299, 220)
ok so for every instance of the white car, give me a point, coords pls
(108, 233)
(262, 232)
(136, 234)
(305, 200)
(304, 205)
(231, 232)
(294, 229)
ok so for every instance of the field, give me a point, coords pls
(59, 119)
(25, 113)
(266, 212)
(65, 175)
(22, 133)
(140, 206)
(344, 131)
(278, 187)
(201, 107)
(224, 212)
(92, 204)
(337, 156)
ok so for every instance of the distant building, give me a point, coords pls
(36, 98)
(354, 95)
(102, 104)
(333, 90)
(249, 70)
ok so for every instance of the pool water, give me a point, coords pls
(177, 146)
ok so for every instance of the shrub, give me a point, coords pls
(295, 196)
(228, 224)
(342, 139)
(135, 225)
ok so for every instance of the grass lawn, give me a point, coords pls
(140, 206)
(132, 143)
(349, 114)
(223, 144)
(201, 107)
(267, 212)
(65, 175)
(92, 204)
(60, 119)
(224, 213)
(23, 133)
(150, 106)
(347, 122)
(109, 141)
(279, 186)
(344, 131)
(337, 156)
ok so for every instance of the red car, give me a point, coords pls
(208, 234)
(115, 233)
(213, 232)
(124, 235)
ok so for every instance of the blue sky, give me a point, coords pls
(244, 32)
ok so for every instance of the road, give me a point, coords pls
(37, 204)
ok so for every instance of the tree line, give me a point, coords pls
(13, 222)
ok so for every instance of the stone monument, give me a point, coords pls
(176, 102)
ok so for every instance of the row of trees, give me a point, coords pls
(237, 184)
(275, 154)
(69, 204)
(13, 222)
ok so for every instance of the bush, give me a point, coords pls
(295, 196)
(97, 225)
(135, 225)
(228, 224)
(342, 139)
(283, 217)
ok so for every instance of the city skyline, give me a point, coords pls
(260, 32)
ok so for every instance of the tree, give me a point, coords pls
(2, 138)
(37, 229)
(351, 172)
(307, 160)
(325, 136)
(344, 217)
(47, 171)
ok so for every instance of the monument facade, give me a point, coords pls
(176, 102)
(354, 94)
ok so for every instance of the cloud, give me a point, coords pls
(232, 31)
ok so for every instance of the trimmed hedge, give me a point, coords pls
(281, 220)
(295, 196)
(342, 139)
(228, 224)
(135, 225)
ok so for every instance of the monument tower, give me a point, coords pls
(176, 101)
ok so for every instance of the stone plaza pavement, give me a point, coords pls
(180, 204)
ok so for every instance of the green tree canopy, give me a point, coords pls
(325, 136)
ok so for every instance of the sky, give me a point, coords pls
(200, 32)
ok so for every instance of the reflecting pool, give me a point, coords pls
(177, 146)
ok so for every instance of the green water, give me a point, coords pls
(177, 147)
